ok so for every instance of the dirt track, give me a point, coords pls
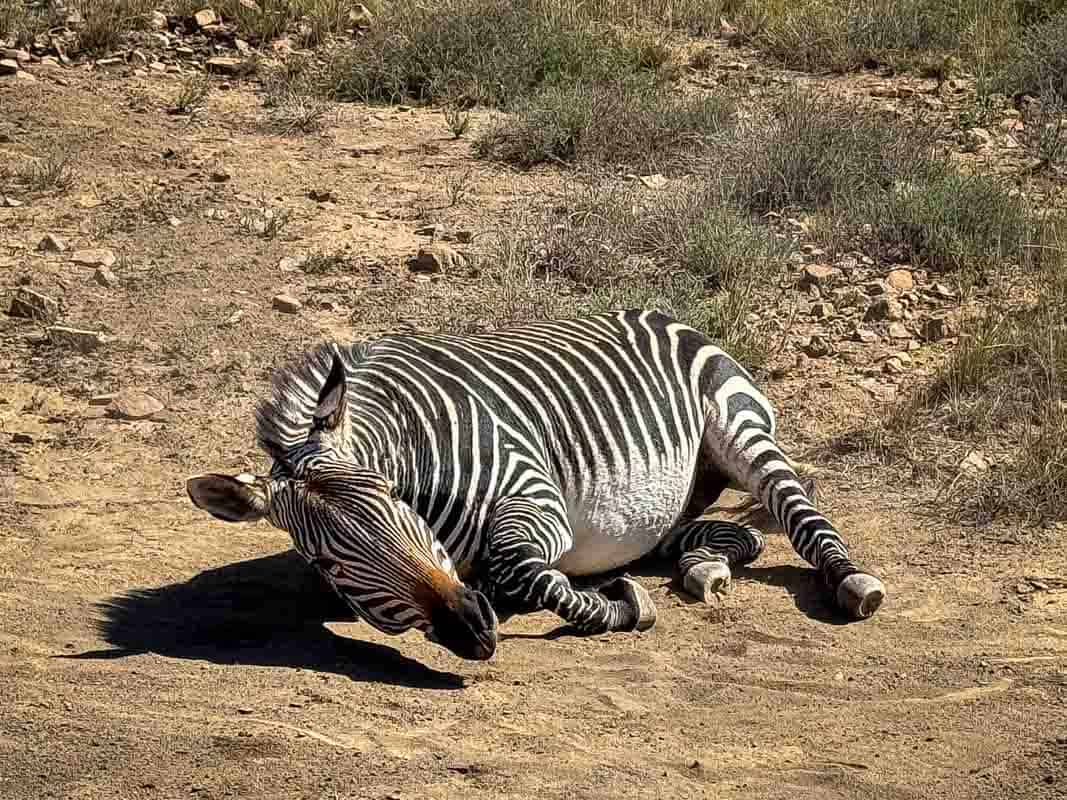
(217, 678)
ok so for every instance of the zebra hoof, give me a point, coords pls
(636, 596)
(708, 580)
(860, 595)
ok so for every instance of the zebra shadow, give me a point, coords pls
(265, 611)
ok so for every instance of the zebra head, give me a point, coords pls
(349, 523)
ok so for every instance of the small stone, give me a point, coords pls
(11, 202)
(436, 258)
(81, 340)
(464, 237)
(976, 139)
(222, 65)
(28, 304)
(943, 291)
(432, 231)
(975, 463)
(897, 330)
(286, 304)
(940, 327)
(205, 17)
(97, 257)
(903, 358)
(901, 280)
(893, 366)
(875, 288)
(8, 66)
(105, 277)
(157, 21)
(291, 263)
(25, 77)
(51, 243)
(322, 196)
(884, 309)
(819, 275)
(817, 347)
(157, 66)
(360, 16)
(251, 5)
(21, 438)
(133, 404)
(102, 399)
(220, 176)
(110, 62)
(234, 318)
(822, 310)
(864, 335)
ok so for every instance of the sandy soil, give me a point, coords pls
(149, 652)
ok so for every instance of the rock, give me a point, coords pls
(133, 404)
(110, 62)
(865, 336)
(81, 340)
(105, 277)
(943, 291)
(286, 303)
(893, 366)
(292, 263)
(976, 139)
(819, 275)
(223, 65)
(157, 21)
(20, 56)
(29, 304)
(884, 309)
(8, 66)
(940, 327)
(251, 5)
(901, 280)
(51, 243)
(436, 258)
(433, 231)
(654, 181)
(875, 288)
(234, 318)
(464, 237)
(11, 202)
(97, 257)
(205, 17)
(822, 310)
(102, 399)
(220, 176)
(360, 17)
(817, 347)
(25, 77)
(975, 463)
(897, 330)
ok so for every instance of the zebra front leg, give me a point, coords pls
(707, 550)
(524, 540)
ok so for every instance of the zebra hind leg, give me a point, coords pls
(707, 551)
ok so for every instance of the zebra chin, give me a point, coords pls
(465, 624)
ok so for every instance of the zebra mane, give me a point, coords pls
(284, 417)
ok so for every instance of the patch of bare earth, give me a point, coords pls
(147, 651)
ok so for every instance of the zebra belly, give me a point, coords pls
(617, 522)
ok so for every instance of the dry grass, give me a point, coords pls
(637, 122)
(1001, 393)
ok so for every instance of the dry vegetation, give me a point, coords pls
(600, 165)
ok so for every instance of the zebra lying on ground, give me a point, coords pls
(439, 482)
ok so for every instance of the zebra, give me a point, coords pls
(446, 482)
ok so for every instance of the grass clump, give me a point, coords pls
(1003, 393)
(483, 52)
(876, 185)
(314, 21)
(842, 35)
(1038, 62)
(680, 249)
(637, 122)
(105, 23)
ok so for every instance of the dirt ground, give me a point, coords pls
(150, 652)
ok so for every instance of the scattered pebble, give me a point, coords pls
(51, 243)
(28, 304)
(133, 404)
(97, 257)
(435, 258)
(287, 304)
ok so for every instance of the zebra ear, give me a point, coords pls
(242, 498)
(330, 411)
